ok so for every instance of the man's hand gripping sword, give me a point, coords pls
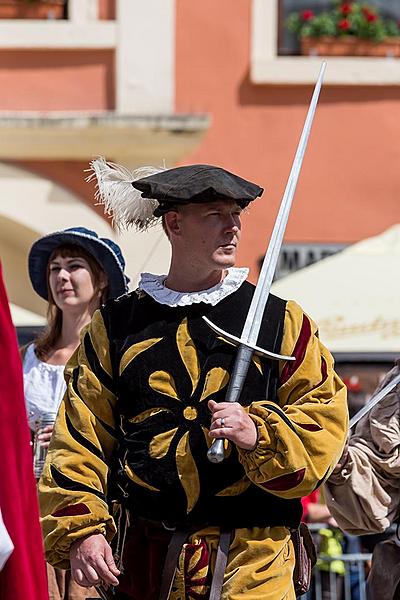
(248, 339)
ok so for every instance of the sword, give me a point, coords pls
(374, 400)
(248, 339)
(104, 593)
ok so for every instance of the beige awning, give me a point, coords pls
(25, 318)
(354, 296)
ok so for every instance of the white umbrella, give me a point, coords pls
(354, 296)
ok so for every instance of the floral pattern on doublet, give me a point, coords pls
(168, 371)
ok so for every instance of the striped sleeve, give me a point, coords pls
(73, 486)
(300, 438)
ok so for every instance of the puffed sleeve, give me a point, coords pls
(364, 494)
(300, 438)
(73, 486)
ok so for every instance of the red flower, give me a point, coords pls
(344, 25)
(370, 16)
(307, 15)
(346, 8)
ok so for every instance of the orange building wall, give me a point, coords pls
(56, 80)
(107, 9)
(70, 174)
(349, 187)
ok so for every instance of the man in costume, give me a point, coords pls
(145, 400)
(363, 492)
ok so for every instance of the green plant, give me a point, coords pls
(344, 18)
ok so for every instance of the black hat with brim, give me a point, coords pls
(106, 252)
(196, 184)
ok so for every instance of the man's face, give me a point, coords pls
(208, 234)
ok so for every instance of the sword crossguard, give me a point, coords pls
(228, 337)
(216, 453)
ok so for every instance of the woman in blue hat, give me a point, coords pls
(75, 271)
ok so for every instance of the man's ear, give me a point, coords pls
(172, 222)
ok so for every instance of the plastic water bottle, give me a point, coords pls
(39, 451)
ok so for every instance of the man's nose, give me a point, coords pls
(231, 224)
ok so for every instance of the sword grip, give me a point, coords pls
(239, 373)
(216, 452)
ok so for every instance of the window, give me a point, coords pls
(287, 41)
(268, 67)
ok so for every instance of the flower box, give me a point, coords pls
(349, 46)
(34, 9)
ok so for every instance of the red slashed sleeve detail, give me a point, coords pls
(308, 426)
(299, 351)
(73, 510)
(285, 482)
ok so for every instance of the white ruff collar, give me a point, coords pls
(154, 286)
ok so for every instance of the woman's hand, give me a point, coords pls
(237, 426)
(44, 436)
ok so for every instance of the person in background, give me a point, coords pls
(22, 569)
(363, 492)
(75, 271)
(315, 511)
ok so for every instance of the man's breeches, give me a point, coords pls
(260, 565)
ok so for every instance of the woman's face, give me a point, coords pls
(72, 284)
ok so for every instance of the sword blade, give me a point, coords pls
(251, 328)
(253, 321)
(374, 400)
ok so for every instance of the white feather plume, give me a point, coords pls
(120, 199)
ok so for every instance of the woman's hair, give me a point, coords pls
(46, 340)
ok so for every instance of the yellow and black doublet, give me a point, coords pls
(134, 425)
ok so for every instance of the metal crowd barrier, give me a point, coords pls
(328, 584)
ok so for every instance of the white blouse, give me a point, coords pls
(154, 286)
(44, 387)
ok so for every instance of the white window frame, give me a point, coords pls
(269, 68)
(82, 30)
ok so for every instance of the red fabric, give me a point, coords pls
(72, 510)
(299, 351)
(308, 426)
(306, 500)
(23, 577)
(145, 550)
(197, 559)
(285, 482)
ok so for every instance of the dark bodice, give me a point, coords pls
(169, 364)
